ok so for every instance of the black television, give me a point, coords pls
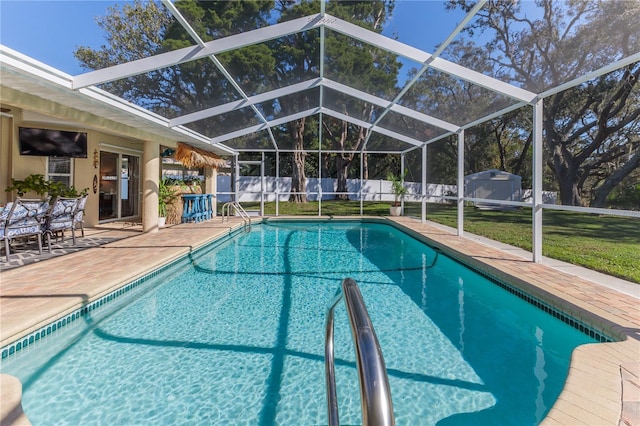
(52, 143)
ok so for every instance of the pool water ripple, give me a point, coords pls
(235, 335)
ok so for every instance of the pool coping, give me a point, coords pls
(597, 367)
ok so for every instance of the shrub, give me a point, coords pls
(36, 183)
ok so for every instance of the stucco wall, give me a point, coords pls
(16, 166)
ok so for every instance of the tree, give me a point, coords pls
(142, 29)
(582, 126)
(134, 31)
(356, 64)
(501, 143)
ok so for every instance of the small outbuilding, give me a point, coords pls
(493, 185)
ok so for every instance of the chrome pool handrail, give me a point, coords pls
(239, 210)
(375, 394)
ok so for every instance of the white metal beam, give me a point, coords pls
(242, 103)
(590, 76)
(381, 130)
(423, 203)
(419, 56)
(398, 136)
(366, 97)
(264, 126)
(460, 183)
(193, 33)
(482, 80)
(426, 64)
(538, 149)
(192, 53)
(340, 116)
(494, 115)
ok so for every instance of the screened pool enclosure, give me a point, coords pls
(322, 99)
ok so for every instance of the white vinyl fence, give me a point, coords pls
(249, 189)
(372, 190)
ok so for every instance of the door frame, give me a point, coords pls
(120, 152)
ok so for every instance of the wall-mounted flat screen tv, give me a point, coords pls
(52, 143)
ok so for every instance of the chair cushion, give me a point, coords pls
(24, 219)
(60, 225)
(5, 212)
(23, 231)
(61, 214)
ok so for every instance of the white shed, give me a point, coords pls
(493, 185)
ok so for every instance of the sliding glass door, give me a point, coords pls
(119, 186)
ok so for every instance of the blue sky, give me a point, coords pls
(50, 30)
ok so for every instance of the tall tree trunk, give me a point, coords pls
(564, 169)
(324, 167)
(343, 160)
(365, 166)
(569, 193)
(342, 164)
(603, 191)
(562, 161)
(519, 163)
(298, 177)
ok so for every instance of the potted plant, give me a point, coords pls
(399, 191)
(35, 183)
(166, 194)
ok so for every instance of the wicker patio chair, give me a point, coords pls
(22, 218)
(60, 218)
(78, 217)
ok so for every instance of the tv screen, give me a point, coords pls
(52, 143)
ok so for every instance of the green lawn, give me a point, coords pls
(607, 244)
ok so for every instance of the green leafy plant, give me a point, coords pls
(397, 186)
(37, 183)
(166, 194)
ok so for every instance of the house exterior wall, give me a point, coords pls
(20, 110)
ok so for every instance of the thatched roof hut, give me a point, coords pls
(191, 156)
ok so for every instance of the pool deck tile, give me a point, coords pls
(602, 388)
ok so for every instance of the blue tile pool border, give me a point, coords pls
(48, 329)
(36, 336)
(556, 312)
(551, 310)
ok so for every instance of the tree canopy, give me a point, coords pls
(592, 149)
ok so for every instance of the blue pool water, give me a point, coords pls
(235, 335)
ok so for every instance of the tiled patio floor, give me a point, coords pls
(603, 387)
(26, 253)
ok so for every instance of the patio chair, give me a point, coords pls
(22, 218)
(60, 218)
(78, 217)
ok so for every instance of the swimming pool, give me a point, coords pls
(235, 334)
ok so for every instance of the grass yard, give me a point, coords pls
(607, 244)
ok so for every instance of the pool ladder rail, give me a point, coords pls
(239, 211)
(375, 394)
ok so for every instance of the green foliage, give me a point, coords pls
(625, 198)
(397, 186)
(36, 183)
(166, 194)
(141, 29)
(606, 244)
(589, 130)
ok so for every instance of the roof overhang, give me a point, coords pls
(22, 77)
